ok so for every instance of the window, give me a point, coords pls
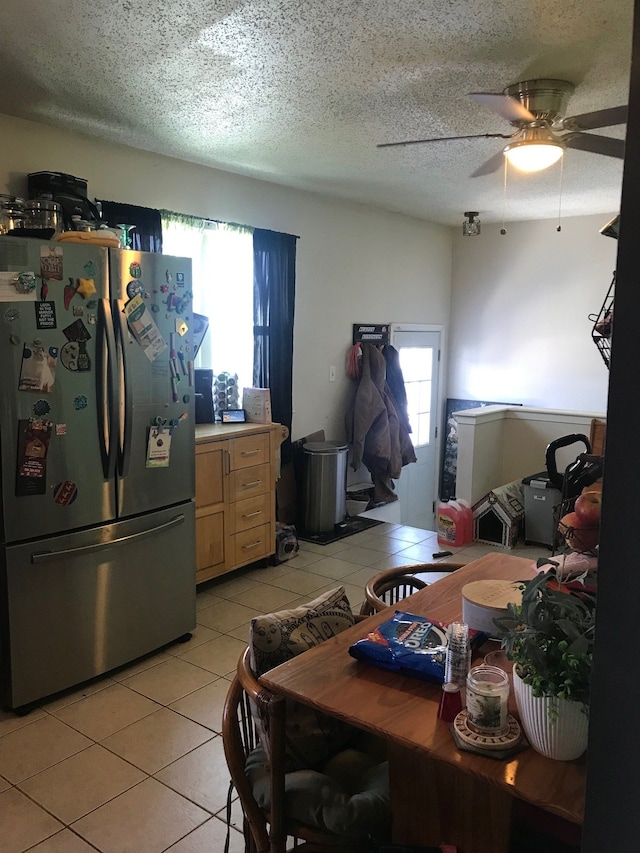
(222, 257)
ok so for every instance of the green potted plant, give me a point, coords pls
(549, 637)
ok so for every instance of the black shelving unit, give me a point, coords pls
(603, 324)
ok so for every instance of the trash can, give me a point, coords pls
(541, 498)
(325, 485)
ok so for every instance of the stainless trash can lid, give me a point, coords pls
(324, 447)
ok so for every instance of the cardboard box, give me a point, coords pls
(257, 404)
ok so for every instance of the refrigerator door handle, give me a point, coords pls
(124, 449)
(105, 389)
(49, 556)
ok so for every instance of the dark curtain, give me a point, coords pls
(274, 285)
(147, 235)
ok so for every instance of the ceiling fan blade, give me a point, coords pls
(446, 139)
(504, 105)
(490, 166)
(599, 118)
(596, 144)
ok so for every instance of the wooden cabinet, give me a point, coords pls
(236, 470)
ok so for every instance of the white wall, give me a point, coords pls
(520, 329)
(355, 264)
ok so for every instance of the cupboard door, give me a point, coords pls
(210, 474)
(209, 544)
(253, 544)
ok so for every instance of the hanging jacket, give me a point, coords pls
(377, 437)
(395, 381)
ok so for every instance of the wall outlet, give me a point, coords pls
(332, 374)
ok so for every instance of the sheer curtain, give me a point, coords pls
(222, 257)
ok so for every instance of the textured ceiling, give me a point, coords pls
(299, 93)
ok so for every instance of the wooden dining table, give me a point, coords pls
(438, 792)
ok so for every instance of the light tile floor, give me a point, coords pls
(133, 762)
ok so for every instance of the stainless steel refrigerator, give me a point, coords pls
(97, 461)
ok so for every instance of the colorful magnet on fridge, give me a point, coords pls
(44, 291)
(25, 282)
(65, 493)
(75, 358)
(134, 270)
(134, 288)
(92, 303)
(76, 331)
(69, 293)
(164, 289)
(41, 408)
(168, 276)
(90, 269)
(86, 287)
(11, 314)
(61, 429)
(92, 319)
(78, 311)
(80, 402)
(181, 328)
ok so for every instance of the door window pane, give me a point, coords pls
(417, 369)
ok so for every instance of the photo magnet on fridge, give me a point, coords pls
(38, 369)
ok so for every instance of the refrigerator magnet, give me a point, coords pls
(134, 287)
(86, 287)
(143, 328)
(51, 265)
(168, 276)
(41, 408)
(80, 402)
(181, 328)
(74, 357)
(38, 368)
(65, 493)
(12, 291)
(158, 448)
(45, 315)
(76, 331)
(34, 436)
(90, 269)
(134, 270)
(11, 314)
(180, 279)
(69, 293)
(61, 429)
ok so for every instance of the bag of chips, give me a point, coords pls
(410, 644)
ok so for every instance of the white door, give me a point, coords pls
(419, 350)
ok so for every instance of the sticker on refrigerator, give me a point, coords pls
(143, 328)
(15, 287)
(74, 357)
(45, 315)
(34, 436)
(38, 369)
(51, 262)
(65, 493)
(158, 448)
(76, 331)
(134, 270)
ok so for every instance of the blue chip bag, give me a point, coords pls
(410, 644)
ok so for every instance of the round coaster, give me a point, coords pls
(505, 741)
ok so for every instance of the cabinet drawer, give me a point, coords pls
(253, 544)
(249, 450)
(249, 482)
(251, 512)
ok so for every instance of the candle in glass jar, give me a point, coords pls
(487, 698)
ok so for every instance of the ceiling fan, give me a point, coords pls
(536, 109)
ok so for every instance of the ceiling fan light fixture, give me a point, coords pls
(533, 156)
(471, 225)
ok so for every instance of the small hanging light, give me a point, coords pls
(471, 225)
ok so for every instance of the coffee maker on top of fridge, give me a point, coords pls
(97, 461)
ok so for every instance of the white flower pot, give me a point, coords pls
(563, 735)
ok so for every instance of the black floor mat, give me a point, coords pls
(348, 527)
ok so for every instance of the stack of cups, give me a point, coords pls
(457, 664)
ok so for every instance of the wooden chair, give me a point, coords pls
(390, 586)
(267, 831)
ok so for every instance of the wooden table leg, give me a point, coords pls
(433, 802)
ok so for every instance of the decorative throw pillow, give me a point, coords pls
(311, 737)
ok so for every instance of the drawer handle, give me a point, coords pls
(253, 514)
(249, 452)
(253, 545)
(250, 485)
